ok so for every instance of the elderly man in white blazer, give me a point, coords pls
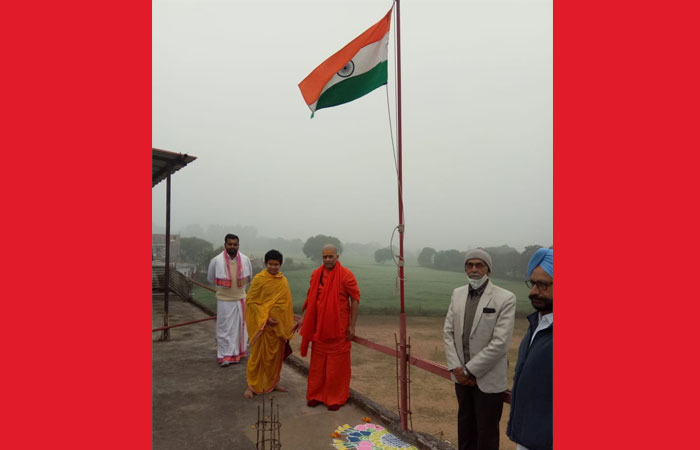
(477, 332)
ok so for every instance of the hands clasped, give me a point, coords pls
(464, 377)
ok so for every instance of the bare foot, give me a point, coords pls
(248, 393)
(281, 388)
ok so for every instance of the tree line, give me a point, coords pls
(507, 261)
(199, 251)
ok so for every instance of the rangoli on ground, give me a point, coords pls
(367, 436)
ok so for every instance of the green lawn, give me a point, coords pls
(427, 291)
(204, 297)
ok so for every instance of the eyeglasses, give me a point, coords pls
(541, 285)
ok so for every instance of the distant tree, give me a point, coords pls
(314, 245)
(506, 262)
(529, 251)
(203, 263)
(383, 254)
(193, 249)
(290, 264)
(425, 258)
(449, 260)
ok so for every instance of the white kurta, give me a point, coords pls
(231, 333)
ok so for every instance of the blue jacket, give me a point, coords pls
(530, 422)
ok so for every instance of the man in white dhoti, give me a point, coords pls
(231, 271)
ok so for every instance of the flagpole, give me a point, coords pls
(403, 399)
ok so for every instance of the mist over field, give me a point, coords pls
(477, 124)
(430, 274)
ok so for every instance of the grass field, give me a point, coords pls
(427, 291)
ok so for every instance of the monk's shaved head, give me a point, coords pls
(329, 255)
(330, 247)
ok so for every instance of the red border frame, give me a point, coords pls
(76, 129)
(76, 157)
(625, 227)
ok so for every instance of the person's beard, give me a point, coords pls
(540, 303)
(232, 252)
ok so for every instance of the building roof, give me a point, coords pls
(166, 163)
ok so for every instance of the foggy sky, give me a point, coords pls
(477, 121)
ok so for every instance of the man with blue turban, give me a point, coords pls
(530, 423)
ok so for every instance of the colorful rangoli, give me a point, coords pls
(367, 436)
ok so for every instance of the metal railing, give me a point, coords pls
(429, 366)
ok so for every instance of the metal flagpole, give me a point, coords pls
(403, 404)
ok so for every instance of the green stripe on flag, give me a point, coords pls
(355, 87)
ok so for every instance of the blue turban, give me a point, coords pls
(544, 258)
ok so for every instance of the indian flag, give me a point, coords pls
(355, 70)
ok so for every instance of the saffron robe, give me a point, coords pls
(268, 297)
(326, 322)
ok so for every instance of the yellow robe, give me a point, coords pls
(268, 297)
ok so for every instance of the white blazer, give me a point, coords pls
(489, 337)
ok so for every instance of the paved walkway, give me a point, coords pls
(199, 405)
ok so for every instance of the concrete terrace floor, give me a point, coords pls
(199, 405)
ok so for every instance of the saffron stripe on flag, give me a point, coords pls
(312, 86)
(363, 61)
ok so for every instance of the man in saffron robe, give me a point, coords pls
(330, 313)
(230, 270)
(269, 319)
